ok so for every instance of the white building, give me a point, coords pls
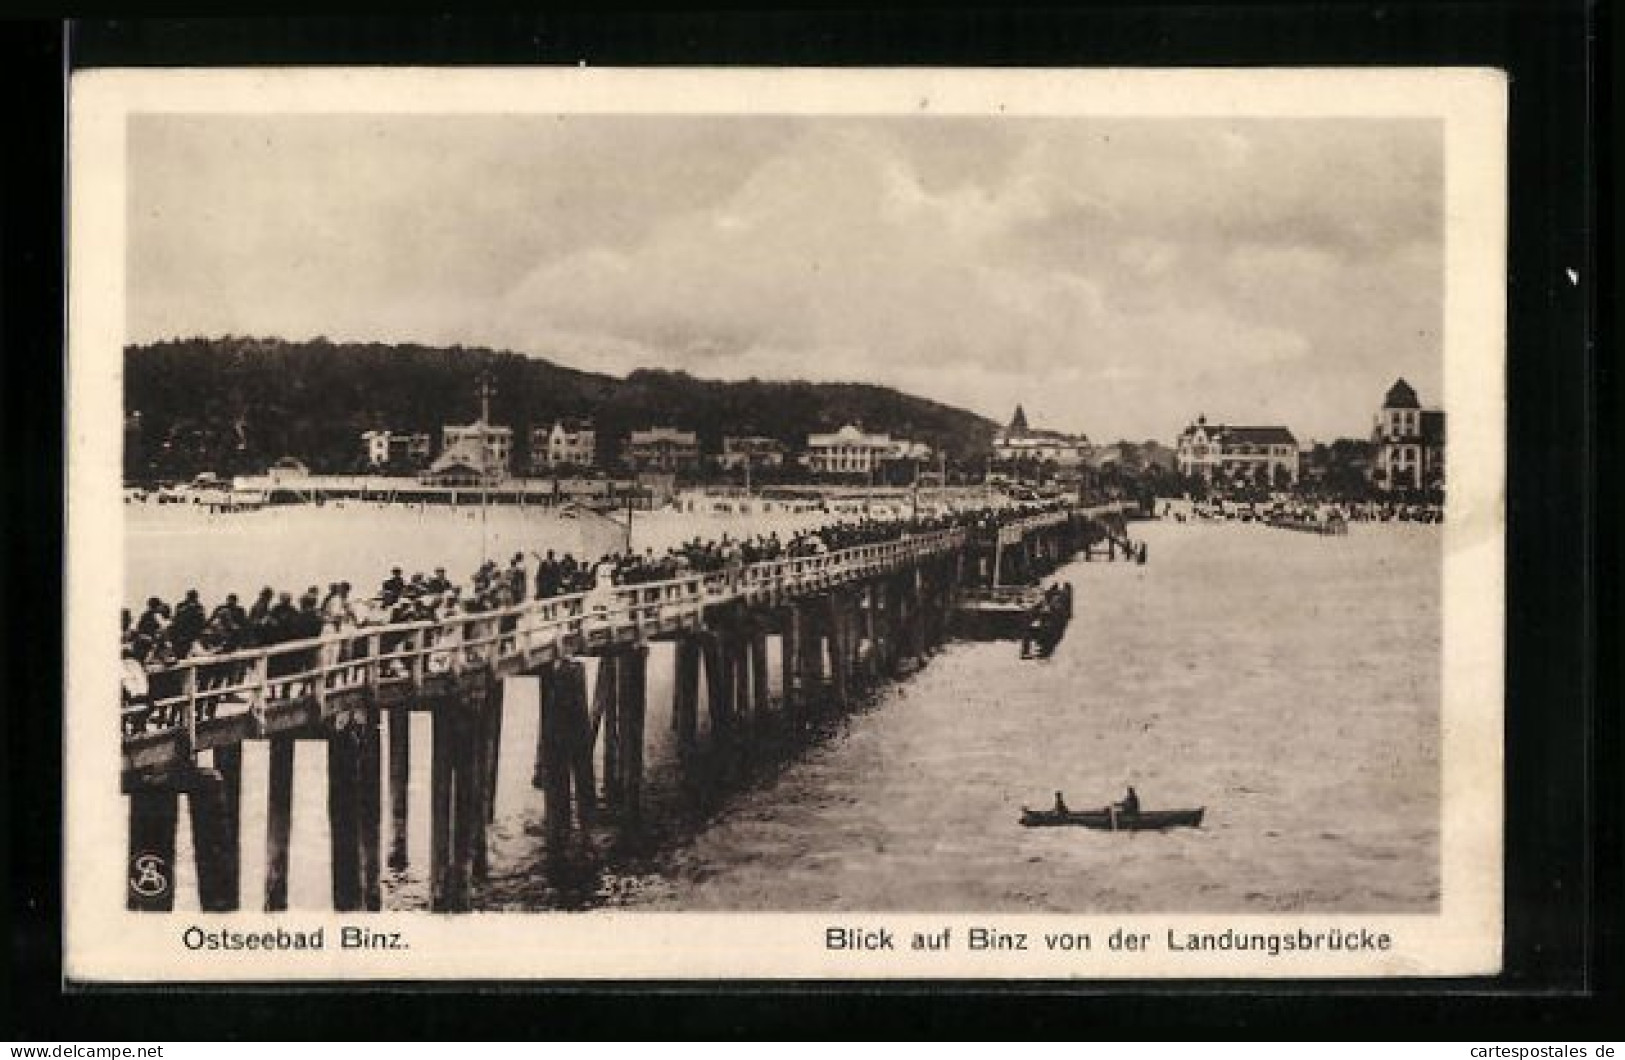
(1250, 455)
(568, 443)
(395, 447)
(286, 470)
(377, 443)
(1019, 442)
(907, 450)
(665, 449)
(1408, 441)
(849, 451)
(750, 450)
(495, 443)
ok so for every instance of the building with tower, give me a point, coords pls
(1409, 443)
(1021, 443)
(474, 454)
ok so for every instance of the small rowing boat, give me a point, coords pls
(1114, 820)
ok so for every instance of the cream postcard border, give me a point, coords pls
(103, 942)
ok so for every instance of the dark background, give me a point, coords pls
(1563, 751)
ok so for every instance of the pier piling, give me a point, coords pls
(470, 797)
(686, 695)
(228, 759)
(554, 769)
(871, 658)
(278, 822)
(567, 753)
(212, 841)
(544, 688)
(442, 781)
(719, 685)
(761, 685)
(790, 662)
(815, 630)
(474, 794)
(739, 651)
(633, 703)
(496, 705)
(344, 826)
(606, 718)
(151, 885)
(459, 796)
(400, 775)
(369, 810)
(578, 737)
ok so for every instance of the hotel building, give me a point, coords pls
(1218, 452)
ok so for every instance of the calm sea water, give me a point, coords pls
(1287, 682)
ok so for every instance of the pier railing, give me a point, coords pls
(1012, 533)
(210, 701)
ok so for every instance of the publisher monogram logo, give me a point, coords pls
(148, 875)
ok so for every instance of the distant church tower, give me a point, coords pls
(1018, 422)
(1409, 442)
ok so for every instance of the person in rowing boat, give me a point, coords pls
(1060, 806)
(1130, 806)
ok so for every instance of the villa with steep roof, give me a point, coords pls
(567, 443)
(1219, 452)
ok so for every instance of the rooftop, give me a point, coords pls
(466, 452)
(1401, 396)
(663, 434)
(1268, 435)
(1260, 436)
(477, 428)
(849, 435)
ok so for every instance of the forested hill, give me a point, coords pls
(233, 405)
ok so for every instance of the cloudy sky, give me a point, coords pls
(1114, 276)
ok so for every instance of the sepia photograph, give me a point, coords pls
(578, 524)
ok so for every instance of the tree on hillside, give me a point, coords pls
(235, 404)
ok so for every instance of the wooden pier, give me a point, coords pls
(846, 622)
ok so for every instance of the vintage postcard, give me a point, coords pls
(678, 524)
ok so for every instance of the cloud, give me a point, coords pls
(1114, 276)
(834, 244)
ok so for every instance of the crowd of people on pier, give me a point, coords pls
(163, 634)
